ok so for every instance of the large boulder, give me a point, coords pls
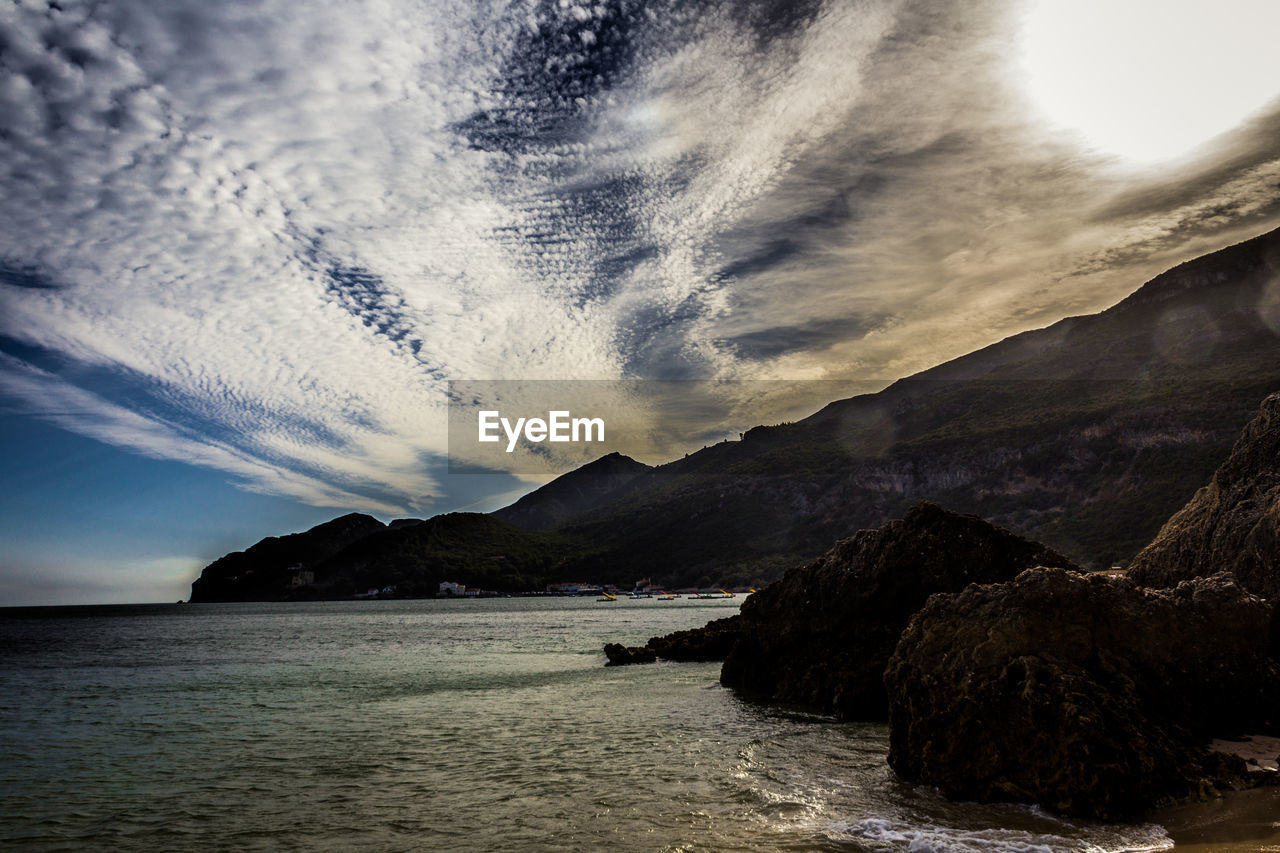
(821, 635)
(1086, 694)
(1232, 524)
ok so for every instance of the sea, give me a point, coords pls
(442, 725)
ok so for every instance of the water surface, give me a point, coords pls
(440, 725)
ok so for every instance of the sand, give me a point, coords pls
(1238, 822)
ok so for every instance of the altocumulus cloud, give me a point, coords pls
(264, 236)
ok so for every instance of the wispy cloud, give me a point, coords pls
(263, 236)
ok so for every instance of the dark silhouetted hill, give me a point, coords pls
(463, 547)
(262, 571)
(573, 493)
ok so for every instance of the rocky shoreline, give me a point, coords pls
(1009, 674)
(823, 633)
(712, 641)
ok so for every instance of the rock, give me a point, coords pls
(620, 655)
(821, 635)
(712, 641)
(1232, 524)
(1085, 694)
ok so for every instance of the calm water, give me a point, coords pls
(439, 725)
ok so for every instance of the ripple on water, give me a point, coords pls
(461, 726)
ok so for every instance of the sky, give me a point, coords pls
(246, 246)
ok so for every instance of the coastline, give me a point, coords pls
(1237, 822)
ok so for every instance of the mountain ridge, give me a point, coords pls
(1163, 379)
(572, 492)
(1085, 435)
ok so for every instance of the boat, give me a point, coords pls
(604, 596)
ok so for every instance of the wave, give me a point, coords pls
(878, 834)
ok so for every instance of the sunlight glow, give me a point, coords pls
(1151, 80)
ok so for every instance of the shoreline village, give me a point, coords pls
(559, 426)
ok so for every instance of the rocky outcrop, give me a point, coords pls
(822, 634)
(620, 655)
(1232, 524)
(712, 641)
(1086, 694)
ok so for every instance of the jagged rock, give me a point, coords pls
(620, 655)
(1232, 524)
(712, 641)
(822, 634)
(1086, 694)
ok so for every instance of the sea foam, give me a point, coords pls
(881, 834)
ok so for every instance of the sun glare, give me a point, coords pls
(1151, 80)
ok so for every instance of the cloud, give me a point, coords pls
(87, 414)
(813, 335)
(263, 237)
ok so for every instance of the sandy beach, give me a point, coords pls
(1240, 822)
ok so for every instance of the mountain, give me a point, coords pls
(1085, 435)
(573, 493)
(463, 547)
(355, 553)
(262, 571)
